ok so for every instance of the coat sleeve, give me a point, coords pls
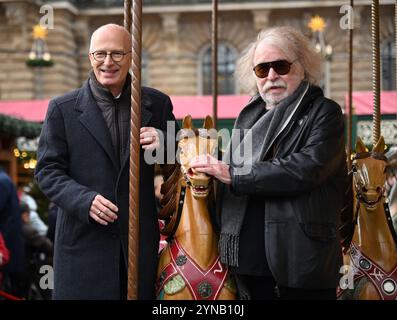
(296, 173)
(53, 166)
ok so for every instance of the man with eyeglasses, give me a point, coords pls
(83, 167)
(279, 218)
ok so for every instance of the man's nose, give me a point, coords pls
(272, 75)
(108, 59)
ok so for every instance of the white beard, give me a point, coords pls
(270, 99)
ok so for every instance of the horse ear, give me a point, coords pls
(360, 146)
(208, 123)
(380, 146)
(187, 122)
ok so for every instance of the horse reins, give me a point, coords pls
(362, 199)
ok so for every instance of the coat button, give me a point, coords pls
(115, 235)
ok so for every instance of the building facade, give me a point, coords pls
(176, 42)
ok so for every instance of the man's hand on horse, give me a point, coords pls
(213, 167)
(149, 138)
(102, 210)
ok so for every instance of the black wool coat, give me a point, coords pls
(76, 161)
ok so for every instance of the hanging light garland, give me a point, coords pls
(39, 55)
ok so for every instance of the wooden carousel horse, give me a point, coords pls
(372, 253)
(189, 266)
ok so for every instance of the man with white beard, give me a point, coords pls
(278, 221)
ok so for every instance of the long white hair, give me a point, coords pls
(293, 43)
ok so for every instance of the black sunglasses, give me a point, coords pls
(282, 67)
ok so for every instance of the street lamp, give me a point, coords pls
(39, 57)
(317, 26)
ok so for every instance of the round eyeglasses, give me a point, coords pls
(116, 56)
(282, 67)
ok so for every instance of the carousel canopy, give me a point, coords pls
(197, 106)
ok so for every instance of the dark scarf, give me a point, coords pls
(113, 108)
(265, 128)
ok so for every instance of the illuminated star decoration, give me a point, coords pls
(39, 32)
(317, 23)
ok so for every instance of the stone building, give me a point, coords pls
(176, 42)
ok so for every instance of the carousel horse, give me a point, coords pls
(189, 266)
(370, 246)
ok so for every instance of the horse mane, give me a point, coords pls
(172, 174)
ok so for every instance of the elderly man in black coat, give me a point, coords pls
(280, 206)
(83, 167)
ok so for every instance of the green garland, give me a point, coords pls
(39, 63)
(19, 128)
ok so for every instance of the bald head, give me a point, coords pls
(111, 30)
(111, 44)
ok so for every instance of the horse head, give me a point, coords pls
(189, 265)
(371, 254)
(369, 174)
(192, 143)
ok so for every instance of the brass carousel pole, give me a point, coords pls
(133, 228)
(214, 44)
(375, 70)
(350, 94)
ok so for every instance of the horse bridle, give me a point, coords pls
(361, 198)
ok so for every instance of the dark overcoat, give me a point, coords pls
(76, 161)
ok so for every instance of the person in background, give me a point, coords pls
(11, 229)
(4, 256)
(38, 252)
(36, 222)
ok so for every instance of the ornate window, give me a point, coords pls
(226, 66)
(388, 52)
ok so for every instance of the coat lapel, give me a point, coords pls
(92, 119)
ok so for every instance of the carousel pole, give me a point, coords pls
(214, 44)
(375, 71)
(133, 226)
(350, 95)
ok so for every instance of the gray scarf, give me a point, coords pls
(265, 128)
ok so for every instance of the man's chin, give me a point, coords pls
(272, 100)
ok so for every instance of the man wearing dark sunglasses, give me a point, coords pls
(83, 167)
(278, 218)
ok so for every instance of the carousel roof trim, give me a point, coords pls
(199, 106)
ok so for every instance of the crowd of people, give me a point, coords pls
(24, 244)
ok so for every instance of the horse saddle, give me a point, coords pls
(202, 284)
